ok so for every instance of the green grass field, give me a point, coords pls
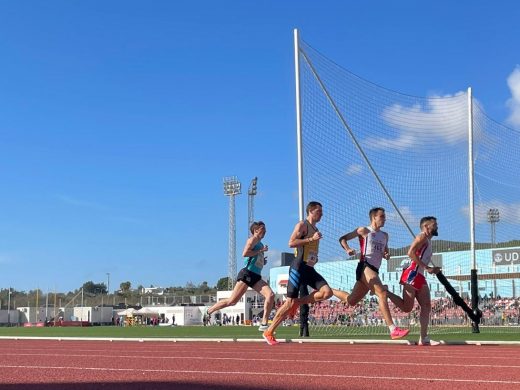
(226, 332)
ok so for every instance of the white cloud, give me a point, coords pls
(513, 81)
(354, 169)
(412, 220)
(441, 118)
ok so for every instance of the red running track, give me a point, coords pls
(81, 365)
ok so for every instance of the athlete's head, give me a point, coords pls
(429, 225)
(257, 226)
(377, 216)
(315, 209)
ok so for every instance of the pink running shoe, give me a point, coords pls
(269, 338)
(398, 333)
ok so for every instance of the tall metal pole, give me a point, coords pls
(9, 307)
(251, 204)
(298, 123)
(232, 247)
(108, 287)
(54, 313)
(46, 304)
(471, 181)
(232, 187)
(474, 277)
(37, 304)
(82, 305)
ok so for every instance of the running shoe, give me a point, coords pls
(427, 342)
(398, 333)
(269, 338)
(263, 327)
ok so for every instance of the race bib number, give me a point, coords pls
(377, 247)
(310, 253)
(260, 260)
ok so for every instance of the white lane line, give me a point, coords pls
(241, 359)
(276, 375)
(431, 352)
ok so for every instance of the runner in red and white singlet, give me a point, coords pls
(413, 280)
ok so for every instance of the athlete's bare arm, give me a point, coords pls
(250, 244)
(386, 253)
(343, 240)
(419, 241)
(300, 230)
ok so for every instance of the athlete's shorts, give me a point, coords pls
(248, 277)
(361, 268)
(301, 274)
(412, 277)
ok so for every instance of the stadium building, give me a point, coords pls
(498, 273)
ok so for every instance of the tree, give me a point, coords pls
(204, 287)
(222, 284)
(125, 287)
(92, 288)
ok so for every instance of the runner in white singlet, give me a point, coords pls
(374, 247)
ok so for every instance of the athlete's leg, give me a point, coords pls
(239, 290)
(340, 294)
(406, 302)
(268, 294)
(358, 293)
(323, 293)
(371, 278)
(423, 297)
(281, 314)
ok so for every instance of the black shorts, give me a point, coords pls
(361, 268)
(248, 277)
(301, 274)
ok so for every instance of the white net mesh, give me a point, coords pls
(418, 147)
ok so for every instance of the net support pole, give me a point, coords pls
(474, 278)
(298, 123)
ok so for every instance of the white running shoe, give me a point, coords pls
(426, 342)
(263, 327)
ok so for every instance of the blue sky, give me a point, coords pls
(119, 119)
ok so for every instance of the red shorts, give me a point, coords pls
(412, 277)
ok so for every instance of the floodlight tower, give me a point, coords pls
(493, 217)
(232, 187)
(251, 204)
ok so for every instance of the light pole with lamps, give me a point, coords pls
(493, 217)
(232, 187)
